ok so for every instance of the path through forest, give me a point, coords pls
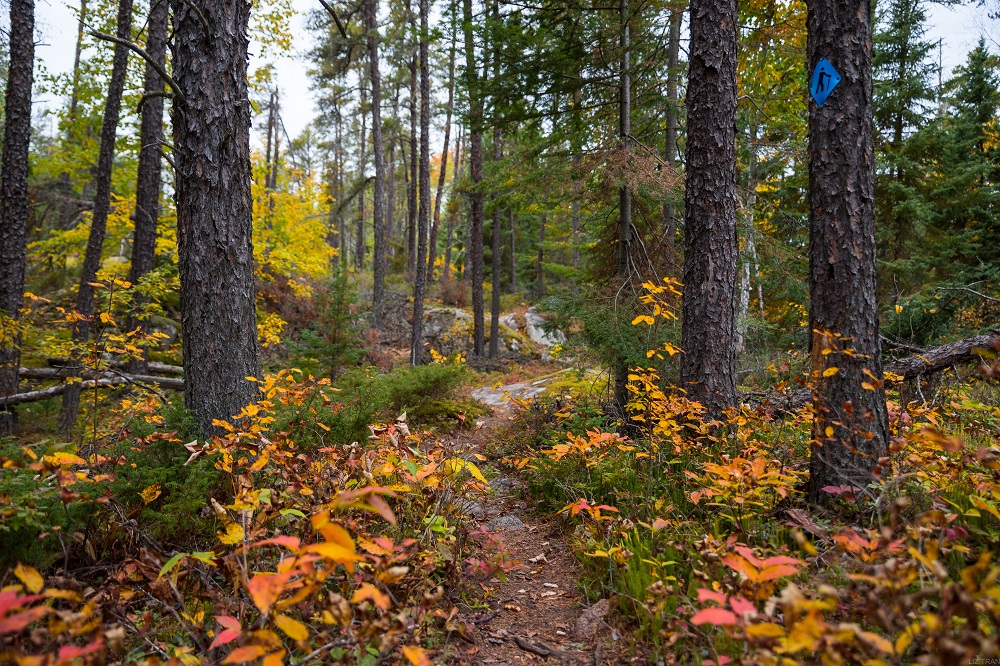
(539, 613)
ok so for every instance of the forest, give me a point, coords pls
(661, 332)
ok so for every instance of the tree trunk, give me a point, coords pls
(420, 281)
(708, 331)
(390, 175)
(670, 135)
(850, 425)
(411, 200)
(474, 242)
(14, 199)
(749, 254)
(432, 254)
(452, 210)
(214, 216)
(102, 205)
(359, 237)
(147, 187)
(495, 280)
(378, 197)
(620, 397)
(513, 248)
(575, 210)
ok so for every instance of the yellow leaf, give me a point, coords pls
(831, 371)
(829, 431)
(150, 493)
(335, 552)
(899, 309)
(234, 534)
(416, 656)
(261, 461)
(292, 627)
(767, 629)
(474, 471)
(63, 458)
(32, 580)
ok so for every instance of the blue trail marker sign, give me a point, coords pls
(824, 79)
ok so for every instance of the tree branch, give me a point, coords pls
(145, 56)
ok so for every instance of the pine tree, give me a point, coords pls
(903, 96)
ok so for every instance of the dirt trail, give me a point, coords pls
(535, 616)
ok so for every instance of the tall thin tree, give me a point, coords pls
(850, 426)
(420, 281)
(147, 187)
(474, 240)
(378, 198)
(708, 329)
(14, 198)
(432, 247)
(85, 298)
(625, 229)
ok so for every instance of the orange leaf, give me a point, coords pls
(777, 571)
(265, 588)
(274, 659)
(368, 591)
(241, 655)
(416, 656)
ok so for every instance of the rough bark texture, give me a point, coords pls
(378, 198)
(453, 210)
(147, 187)
(513, 249)
(495, 280)
(432, 248)
(708, 331)
(360, 246)
(212, 136)
(420, 280)
(844, 313)
(474, 241)
(102, 206)
(670, 134)
(14, 198)
(620, 397)
(411, 192)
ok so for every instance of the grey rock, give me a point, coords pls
(498, 397)
(589, 623)
(504, 485)
(506, 523)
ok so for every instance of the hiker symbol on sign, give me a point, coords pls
(824, 79)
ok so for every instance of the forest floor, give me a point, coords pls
(538, 613)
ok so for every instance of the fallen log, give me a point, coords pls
(927, 362)
(104, 381)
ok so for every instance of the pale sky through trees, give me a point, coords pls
(960, 27)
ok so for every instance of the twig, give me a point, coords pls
(150, 95)
(201, 17)
(336, 19)
(971, 291)
(145, 56)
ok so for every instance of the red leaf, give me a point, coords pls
(748, 555)
(15, 623)
(714, 616)
(229, 622)
(704, 594)
(741, 605)
(226, 636)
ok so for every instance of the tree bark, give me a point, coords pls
(474, 242)
(453, 210)
(670, 134)
(495, 279)
(708, 330)
(513, 255)
(390, 175)
(359, 231)
(850, 424)
(411, 200)
(748, 263)
(620, 397)
(378, 197)
(14, 199)
(147, 187)
(432, 253)
(416, 351)
(214, 216)
(102, 205)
